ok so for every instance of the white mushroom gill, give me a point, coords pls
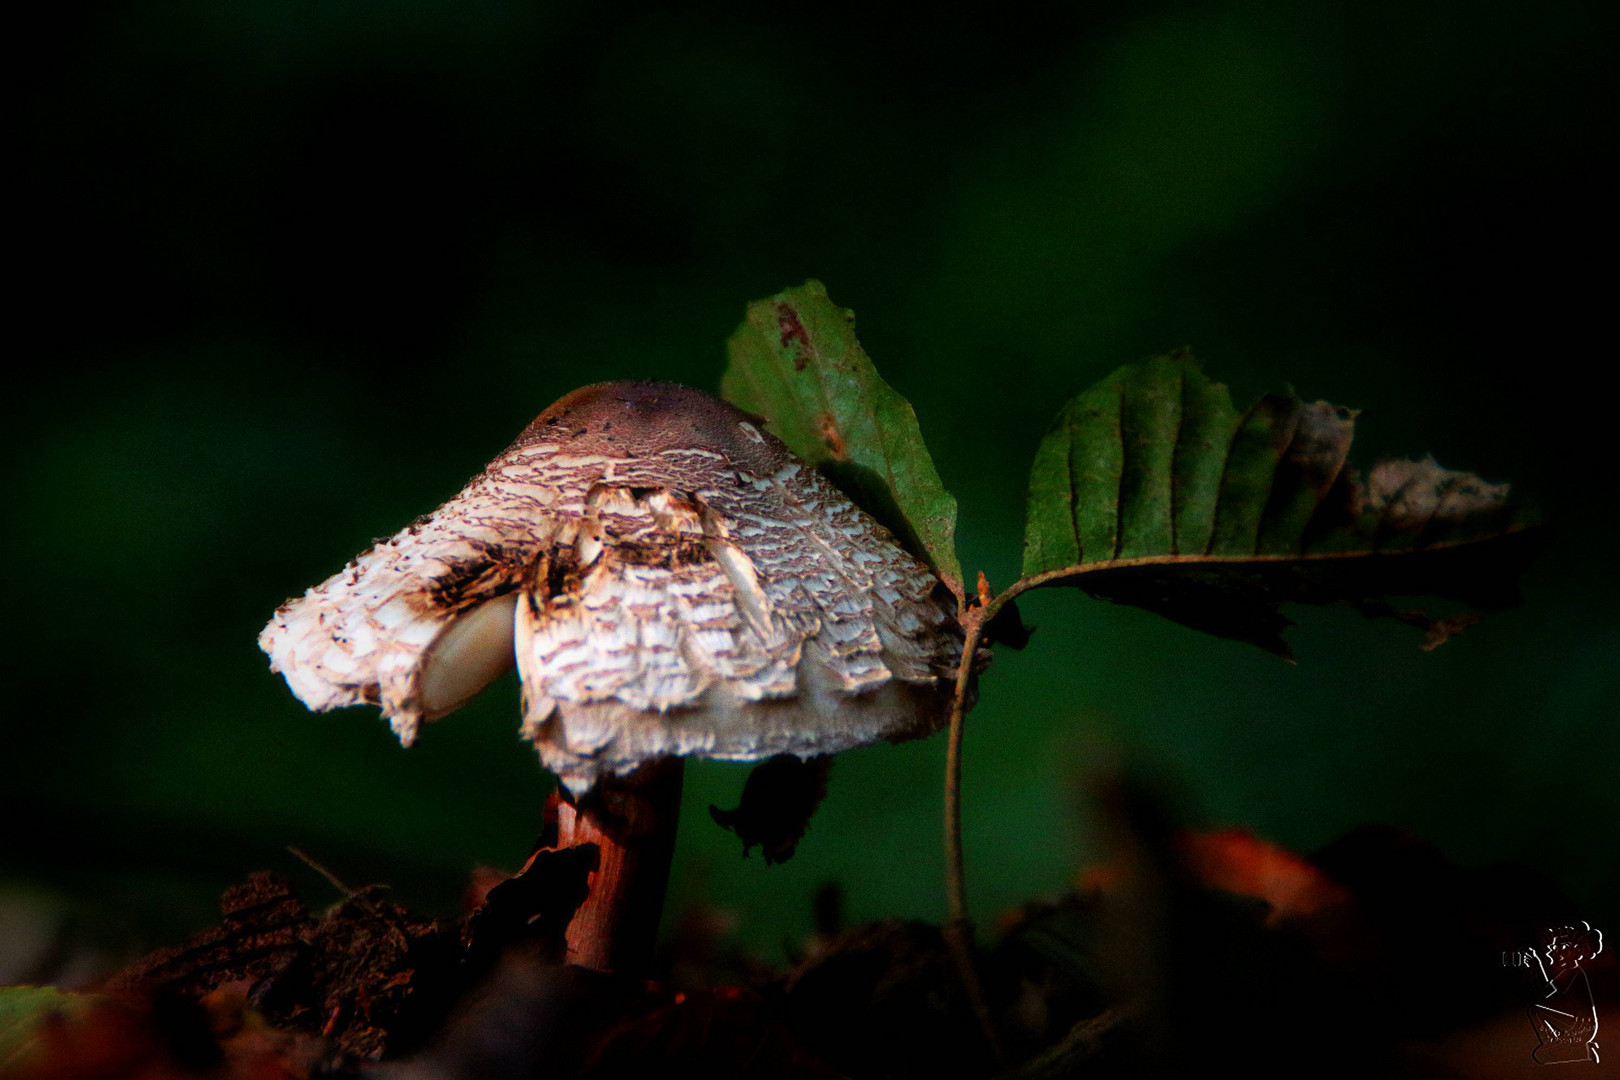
(668, 580)
(472, 652)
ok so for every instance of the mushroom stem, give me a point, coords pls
(631, 820)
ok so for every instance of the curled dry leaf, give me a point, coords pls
(777, 803)
(534, 905)
(671, 580)
(1151, 489)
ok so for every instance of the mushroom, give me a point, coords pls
(671, 581)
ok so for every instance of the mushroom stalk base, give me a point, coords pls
(631, 820)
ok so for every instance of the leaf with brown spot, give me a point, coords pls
(795, 360)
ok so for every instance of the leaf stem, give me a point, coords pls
(958, 929)
(955, 874)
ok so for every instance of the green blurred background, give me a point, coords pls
(293, 271)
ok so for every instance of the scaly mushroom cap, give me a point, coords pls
(670, 579)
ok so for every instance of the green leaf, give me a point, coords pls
(1151, 489)
(795, 361)
(22, 1010)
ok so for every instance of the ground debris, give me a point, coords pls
(884, 999)
(366, 976)
(1181, 948)
(264, 930)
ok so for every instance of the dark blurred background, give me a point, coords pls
(291, 272)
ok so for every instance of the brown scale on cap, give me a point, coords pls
(670, 579)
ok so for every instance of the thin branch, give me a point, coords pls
(331, 878)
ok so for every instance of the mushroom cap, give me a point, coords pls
(670, 580)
